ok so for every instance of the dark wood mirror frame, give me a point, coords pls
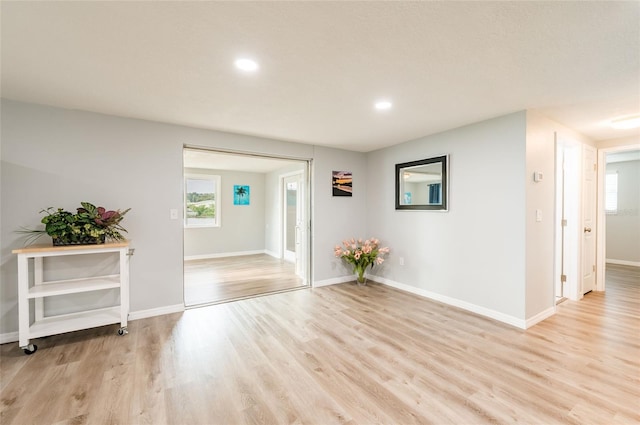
(420, 168)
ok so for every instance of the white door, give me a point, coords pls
(568, 282)
(293, 221)
(588, 219)
(561, 227)
(290, 219)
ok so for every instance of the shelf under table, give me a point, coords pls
(53, 325)
(72, 286)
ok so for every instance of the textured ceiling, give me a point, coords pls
(323, 64)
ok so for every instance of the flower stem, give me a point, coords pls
(360, 272)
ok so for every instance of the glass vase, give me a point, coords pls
(361, 280)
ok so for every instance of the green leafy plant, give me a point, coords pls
(201, 211)
(89, 225)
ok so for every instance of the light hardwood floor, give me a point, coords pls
(342, 354)
(229, 278)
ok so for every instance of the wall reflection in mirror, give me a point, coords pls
(422, 185)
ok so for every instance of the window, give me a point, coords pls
(611, 193)
(202, 200)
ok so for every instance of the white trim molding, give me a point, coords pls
(540, 317)
(273, 254)
(623, 262)
(225, 254)
(8, 337)
(333, 281)
(492, 314)
(159, 311)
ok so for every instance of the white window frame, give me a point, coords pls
(611, 193)
(216, 180)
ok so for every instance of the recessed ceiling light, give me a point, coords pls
(626, 122)
(247, 65)
(383, 105)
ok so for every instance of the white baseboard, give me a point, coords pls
(334, 281)
(540, 317)
(273, 254)
(501, 317)
(224, 254)
(623, 262)
(496, 315)
(143, 314)
(8, 337)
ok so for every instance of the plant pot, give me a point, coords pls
(79, 240)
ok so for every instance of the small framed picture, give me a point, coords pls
(341, 183)
(241, 195)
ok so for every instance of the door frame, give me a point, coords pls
(306, 243)
(592, 208)
(568, 257)
(601, 231)
(307, 176)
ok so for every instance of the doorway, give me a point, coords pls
(576, 229)
(240, 250)
(618, 243)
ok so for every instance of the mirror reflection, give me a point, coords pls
(422, 184)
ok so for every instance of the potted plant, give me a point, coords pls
(361, 254)
(89, 225)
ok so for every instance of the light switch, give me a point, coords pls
(538, 215)
(173, 214)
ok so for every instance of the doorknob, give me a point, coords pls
(587, 229)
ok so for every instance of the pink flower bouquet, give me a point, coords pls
(361, 254)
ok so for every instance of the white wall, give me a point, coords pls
(540, 236)
(336, 218)
(475, 253)
(57, 157)
(54, 157)
(242, 227)
(621, 142)
(485, 254)
(623, 227)
(540, 241)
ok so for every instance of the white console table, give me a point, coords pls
(52, 325)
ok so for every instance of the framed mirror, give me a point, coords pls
(422, 185)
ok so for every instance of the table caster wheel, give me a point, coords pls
(30, 349)
(122, 331)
